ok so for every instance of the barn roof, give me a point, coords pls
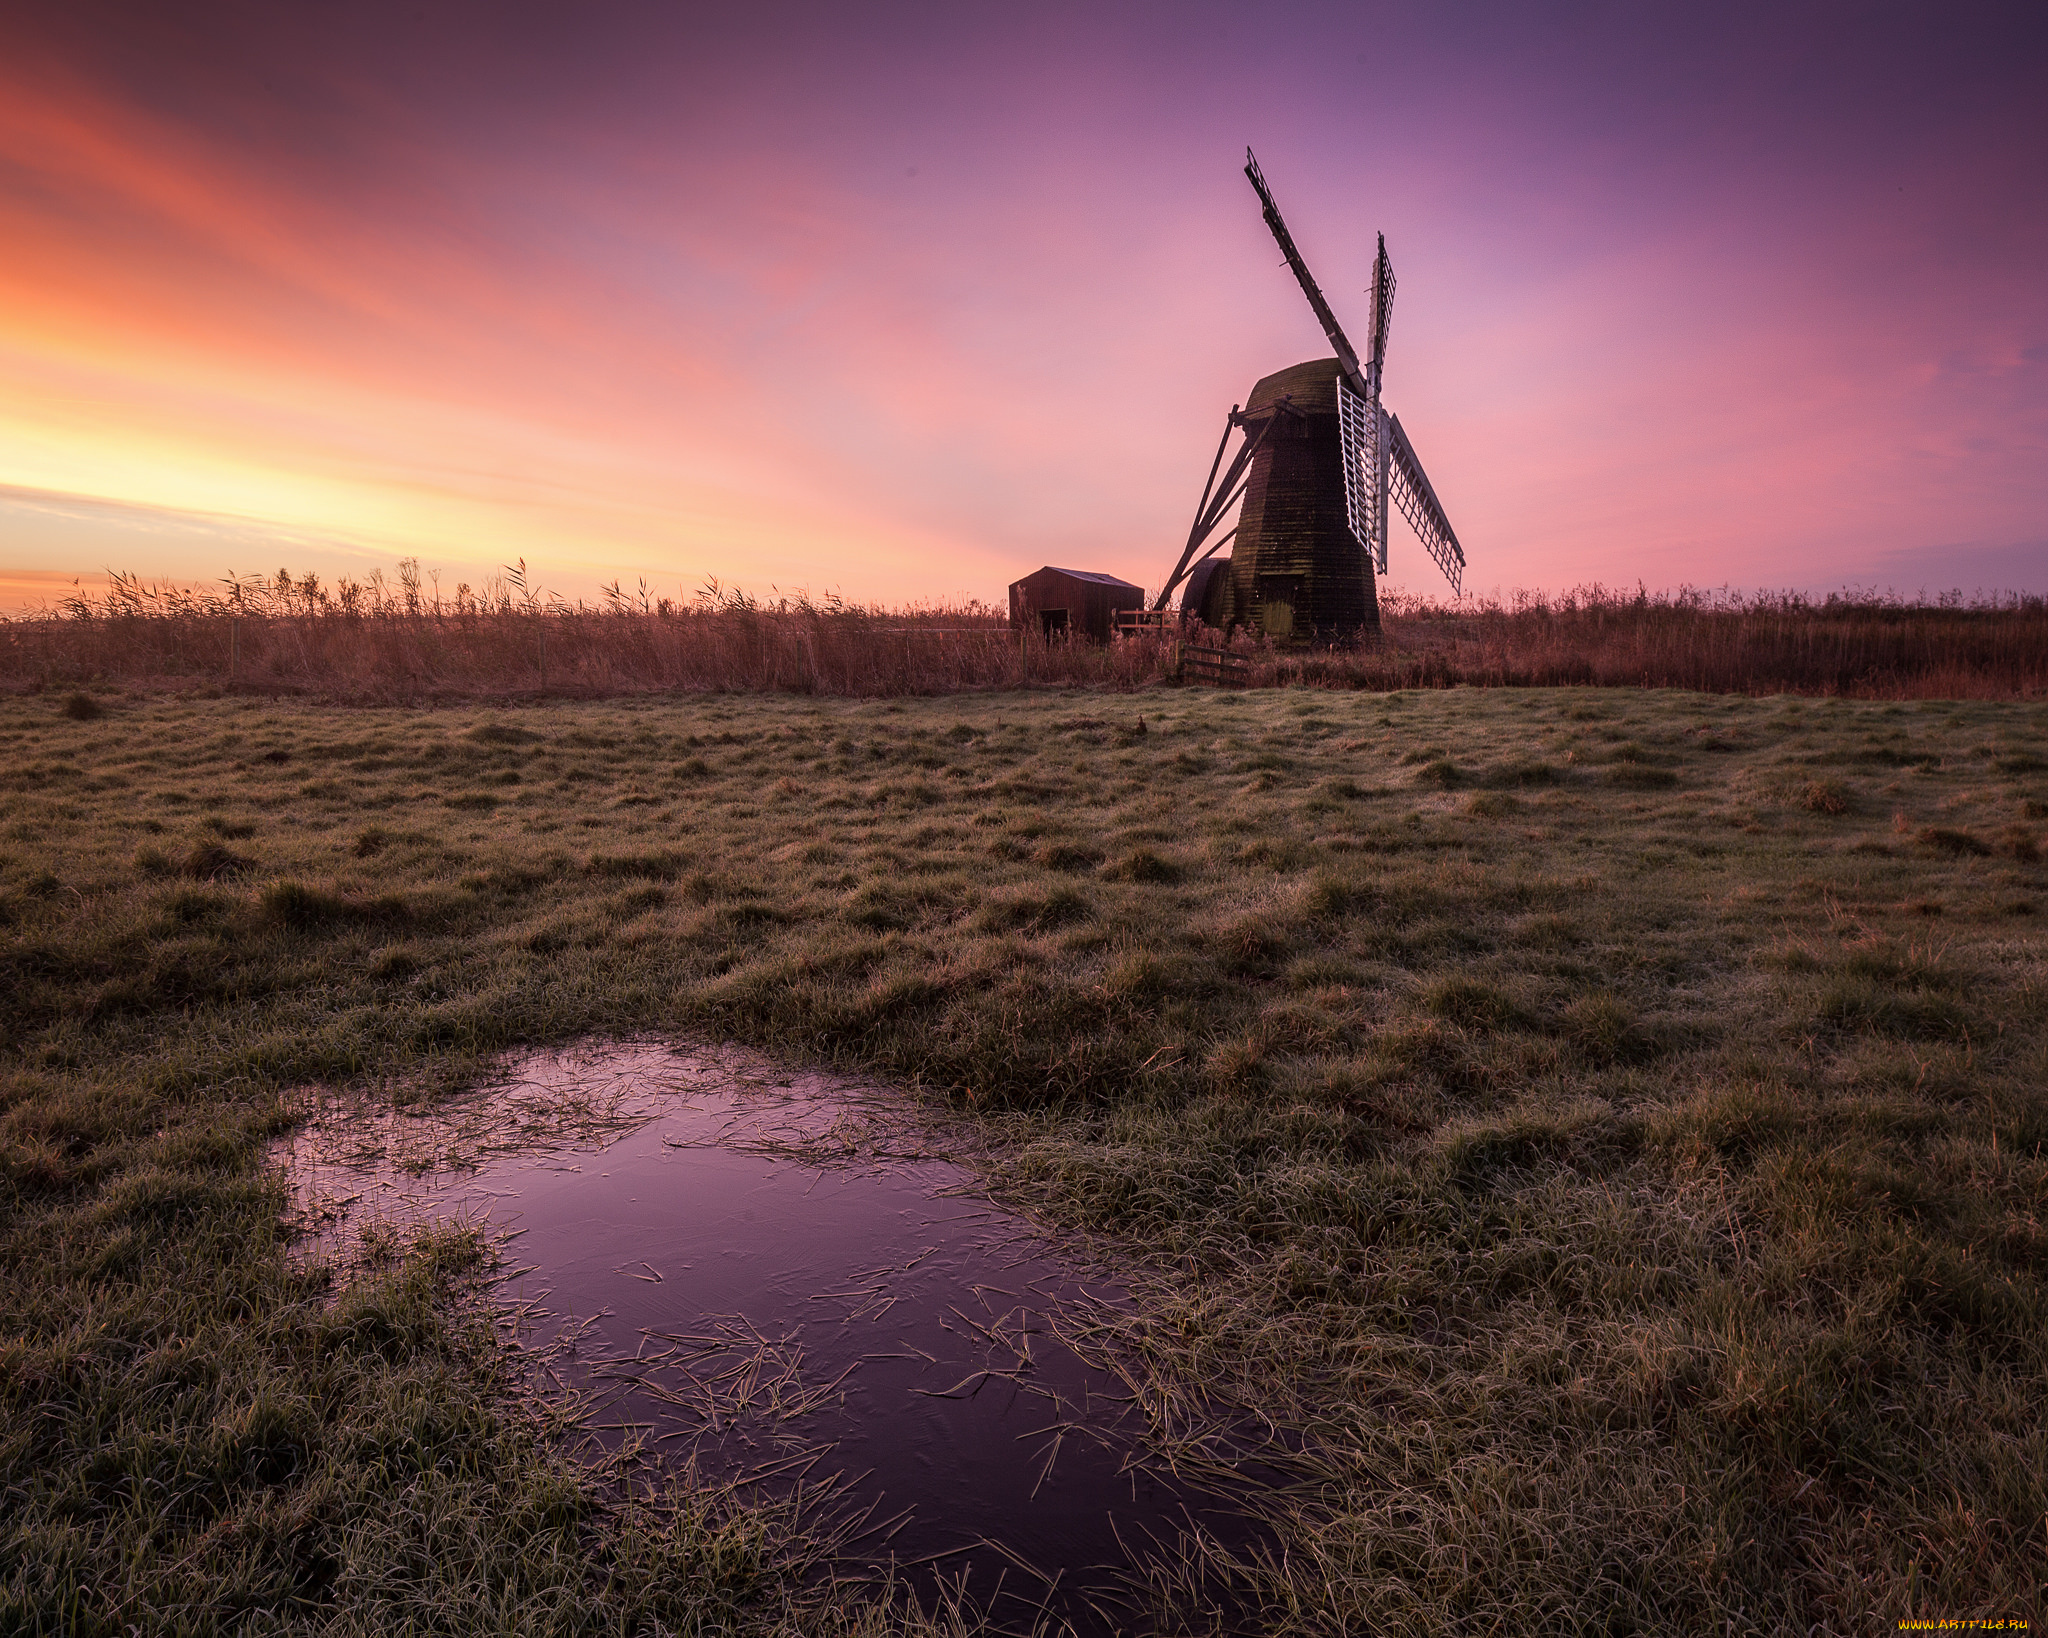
(1084, 574)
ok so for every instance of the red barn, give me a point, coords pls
(1073, 601)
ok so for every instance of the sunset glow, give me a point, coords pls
(905, 306)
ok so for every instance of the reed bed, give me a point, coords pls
(407, 643)
(377, 645)
(1713, 643)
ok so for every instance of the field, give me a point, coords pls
(1601, 1129)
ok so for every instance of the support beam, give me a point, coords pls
(1217, 499)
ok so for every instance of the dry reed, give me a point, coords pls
(378, 642)
(1717, 643)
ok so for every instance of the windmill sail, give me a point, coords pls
(1419, 505)
(1347, 355)
(1363, 425)
(1365, 472)
(1382, 310)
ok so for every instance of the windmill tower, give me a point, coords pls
(1320, 458)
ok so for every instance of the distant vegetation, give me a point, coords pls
(383, 642)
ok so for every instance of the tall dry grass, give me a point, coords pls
(380, 641)
(383, 642)
(1867, 647)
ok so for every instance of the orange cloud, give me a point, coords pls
(743, 339)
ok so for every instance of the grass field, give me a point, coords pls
(1602, 1130)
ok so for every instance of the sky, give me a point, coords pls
(904, 301)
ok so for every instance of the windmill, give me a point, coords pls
(1320, 458)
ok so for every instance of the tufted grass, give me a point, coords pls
(1612, 1170)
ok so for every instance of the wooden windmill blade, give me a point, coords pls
(1419, 505)
(1347, 355)
(1382, 311)
(1365, 467)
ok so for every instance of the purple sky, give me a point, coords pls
(905, 303)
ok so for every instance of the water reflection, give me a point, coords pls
(775, 1277)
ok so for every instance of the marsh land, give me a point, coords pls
(1598, 1131)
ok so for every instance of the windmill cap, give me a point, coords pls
(1312, 387)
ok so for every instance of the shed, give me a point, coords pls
(1072, 600)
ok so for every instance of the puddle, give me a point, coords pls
(774, 1276)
